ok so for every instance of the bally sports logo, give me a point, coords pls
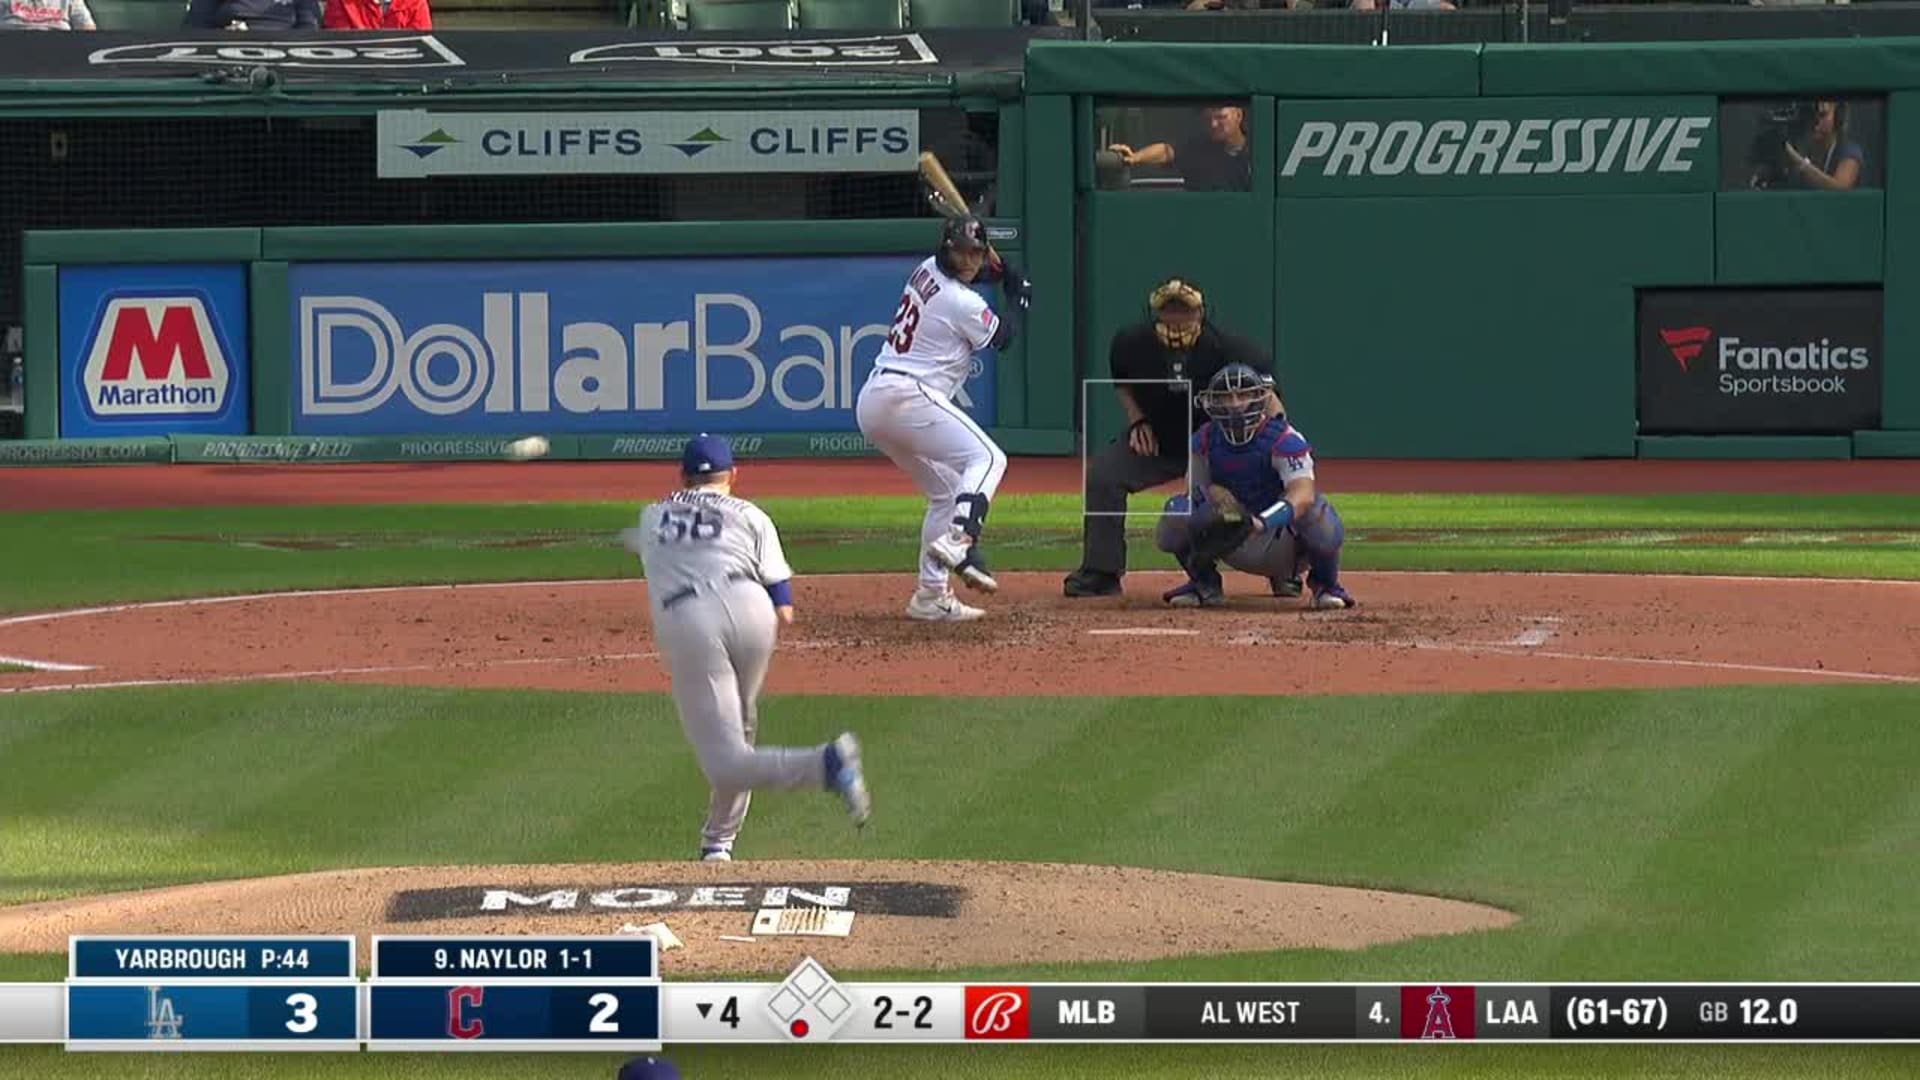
(156, 356)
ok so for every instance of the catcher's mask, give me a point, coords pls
(1179, 308)
(1236, 401)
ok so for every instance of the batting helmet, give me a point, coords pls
(963, 233)
(1236, 401)
(648, 1068)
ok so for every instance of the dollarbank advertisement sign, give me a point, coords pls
(1499, 146)
(620, 346)
(415, 143)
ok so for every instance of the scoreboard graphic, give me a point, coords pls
(478, 993)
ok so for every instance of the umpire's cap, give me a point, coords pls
(705, 454)
(648, 1068)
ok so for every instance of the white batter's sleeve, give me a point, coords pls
(770, 560)
(974, 320)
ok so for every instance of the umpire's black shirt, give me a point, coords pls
(1138, 354)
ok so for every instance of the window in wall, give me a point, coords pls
(1822, 142)
(1199, 146)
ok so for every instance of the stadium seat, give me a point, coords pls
(933, 14)
(138, 14)
(739, 15)
(850, 14)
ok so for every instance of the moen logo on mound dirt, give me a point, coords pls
(1759, 360)
(723, 345)
(1491, 146)
(917, 898)
(155, 357)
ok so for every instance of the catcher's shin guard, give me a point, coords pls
(1322, 534)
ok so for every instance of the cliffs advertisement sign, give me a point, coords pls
(1759, 361)
(1499, 146)
(416, 143)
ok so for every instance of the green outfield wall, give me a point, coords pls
(1448, 249)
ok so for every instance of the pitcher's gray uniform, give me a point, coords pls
(715, 572)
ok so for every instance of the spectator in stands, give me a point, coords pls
(45, 15)
(1405, 5)
(379, 15)
(1217, 161)
(1831, 161)
(254, 14)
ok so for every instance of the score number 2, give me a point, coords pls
(922, 1020)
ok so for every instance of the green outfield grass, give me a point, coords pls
(85, 557)
(1715, 834)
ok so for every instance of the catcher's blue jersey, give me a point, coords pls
(1258, 471)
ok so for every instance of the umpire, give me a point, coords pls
(1177, 341)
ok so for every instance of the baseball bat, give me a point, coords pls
(946, 196)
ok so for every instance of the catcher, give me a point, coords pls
(1253, 502)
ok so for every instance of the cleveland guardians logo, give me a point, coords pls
(460, 1023)
(997, 1012)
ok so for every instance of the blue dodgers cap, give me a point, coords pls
(649, 1068)
(705, 454)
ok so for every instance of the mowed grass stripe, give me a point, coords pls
(84, 557)
(1772, 829)
(1588, 826)
(1862, 884)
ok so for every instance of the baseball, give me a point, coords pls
(533, 446)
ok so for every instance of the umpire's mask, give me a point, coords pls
(1178, 311)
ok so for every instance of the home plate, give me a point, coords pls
(1147, 631)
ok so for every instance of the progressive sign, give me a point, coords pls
(1499, 146)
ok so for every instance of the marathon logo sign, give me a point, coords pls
(153, 357)
(888, 50)
(508, 901)
(1499, 146)
(1759, 361)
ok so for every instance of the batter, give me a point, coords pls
(718, 585)
(906, 408)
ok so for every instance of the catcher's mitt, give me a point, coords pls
(1220, 526)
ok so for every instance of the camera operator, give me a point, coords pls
(1814, 150)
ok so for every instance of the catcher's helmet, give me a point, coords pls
(1236, 401)
(1180, 295)
(963, 233)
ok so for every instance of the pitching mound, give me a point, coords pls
(908, 915)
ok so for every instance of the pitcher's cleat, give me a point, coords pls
(845, 778)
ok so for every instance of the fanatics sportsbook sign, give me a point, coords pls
(1498, 146)
(1759, 361)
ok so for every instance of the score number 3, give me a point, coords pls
(306, 1013)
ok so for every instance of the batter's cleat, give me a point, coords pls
(957, 552)
(715, 854)
(1286, 586)
(1333, 599)
(845, 778)
(941, 607)
(1084, 582)
(1205, 593)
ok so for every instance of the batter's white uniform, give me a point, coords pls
(906, 406)
(709, 559)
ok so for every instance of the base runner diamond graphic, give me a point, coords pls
(809, 1005)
